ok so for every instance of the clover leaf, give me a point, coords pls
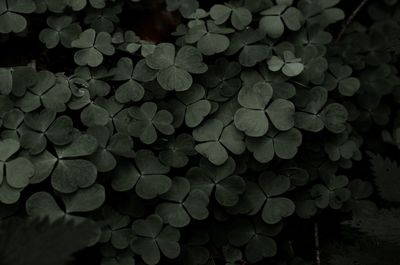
(103, 20)
(94, 115)
(175, 152)
(13, 124)
(227, 185)
(151, 238)
(84, 200)
(51, 91)
(257, 237)
(44, 125)
(340, 78)
(43, 163)
(359, 203)
(341, 146)
(115, 228)
(92, 46)
(10, 18)
(223, 76)
(71, 172)
(95, 78)
(62, 29)
(275, 208)
(315, 64)
(252, 118)
(266, 197)
(77, 5)
(17, 80)
(174, 68)
(290, 65)
(214, 138)
(190, 106)
(147, 175)
(281, 144)
(15, 172)
(281, 84)
(310, 117)
(334, 117)
(145, 121)
(251, 52)
(110, 146)
(240, 16)
(131, 89)
(277, 17)
(127, 41)
(322, 13)
(186, 7)
(334, 193)
(205, 33)
(183, 204)
(314, 36)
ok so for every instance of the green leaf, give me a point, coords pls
(241, 17)
(8, 194)
(84, 200)
(209, 134)
(197, 108)
(162, 57)
(81, 145)
(272, 25)
(94, 115)
(147, 119)
(8, 147)
(334, 117)
(12, 22)
(281, 114)
(174, 69)
(220, 13)
(275, 208)
(251, 119)
(71, 175)
(18, 172)
(177, 150)
(174, 78)
(252, 122)
(44, 164)
(42, 204)
(257, 238)
(227, 185)
(6, 80)
(182, 204)
(92, 46)
(152, 237)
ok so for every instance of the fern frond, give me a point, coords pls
(41, 242)
(387, 177)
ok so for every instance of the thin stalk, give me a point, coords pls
(317, 246)
(350, 19)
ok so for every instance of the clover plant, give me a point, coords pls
(199, 132)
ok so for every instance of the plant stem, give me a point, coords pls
(350, 19)
(317, 247)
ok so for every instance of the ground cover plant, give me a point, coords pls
(199, 132)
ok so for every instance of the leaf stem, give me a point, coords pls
(350, 19)
(317, 246)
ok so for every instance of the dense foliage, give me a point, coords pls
(199, 132)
